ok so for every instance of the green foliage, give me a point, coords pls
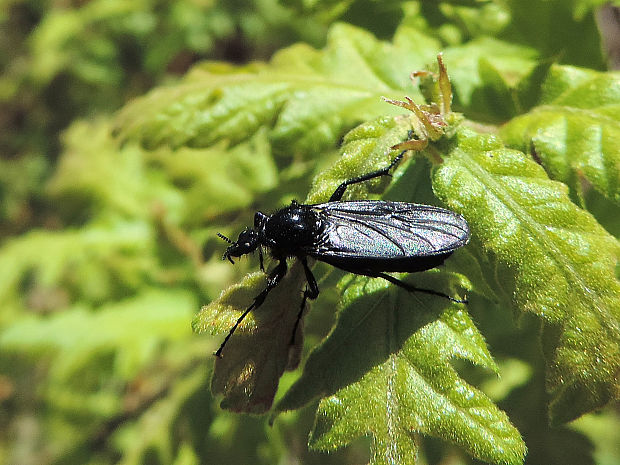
(255, 360)
(561, 261)
(306, 98)
(574, 132)
(109, 243)
(407, 383)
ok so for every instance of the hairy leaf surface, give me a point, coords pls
(307, 98)
(555, 261)
(386, 371)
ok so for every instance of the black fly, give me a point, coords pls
(365, 237)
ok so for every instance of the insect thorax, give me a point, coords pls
(292, 228)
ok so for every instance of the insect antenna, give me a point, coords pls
(221, 236)
(226, 253)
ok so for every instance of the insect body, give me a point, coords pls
(365, 237)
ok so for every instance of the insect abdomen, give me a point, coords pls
(400, 264)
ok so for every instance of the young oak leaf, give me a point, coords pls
(555, 259)
(307, 98)
(386, 368)
(575, 131)
(248, 372)
(557, 28)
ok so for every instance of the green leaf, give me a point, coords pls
(366, 148)
(371, 368)
(388, 359)
(483, 72)
(575, 132)
(506, 91)
(78, 335)
(248, 372)
(97, 260)
(214, 181)
(554, 260)
(191, 185)
(307, 98)
(602, 429)
(472, 19)
(94, 176)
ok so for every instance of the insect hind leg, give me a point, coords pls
(311, 292)
(408, 287)
(340, 190)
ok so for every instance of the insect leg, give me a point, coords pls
(339, 192)
(274, 279)
(311, 292)
(411, 288)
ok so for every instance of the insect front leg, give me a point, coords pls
(339, 192)
(311, 292)
(274, 279)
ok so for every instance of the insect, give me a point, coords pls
(365, 237)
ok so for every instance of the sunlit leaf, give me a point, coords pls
(554, 260)
(390, 358)
(307, 98)
(575, 131)
(254, 358)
